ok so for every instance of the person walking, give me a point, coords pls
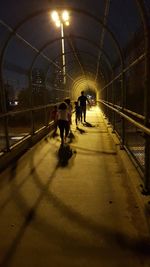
(63, 121)
(77, 113)
(82, 99)
(69, 105)
(68, 102)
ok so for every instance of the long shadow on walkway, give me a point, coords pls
(74, 245)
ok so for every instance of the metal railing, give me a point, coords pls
(135, 133)
(128, 118)
(18, 126)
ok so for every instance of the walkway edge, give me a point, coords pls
(132, 174)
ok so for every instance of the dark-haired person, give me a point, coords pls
(63, 121)
(68, 102)
(77, 113)
(82, 99)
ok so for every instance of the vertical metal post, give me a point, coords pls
(3, 91)
(145, 22)
(106, 108)
(113, 101)
(4, 110)
(45, 103)
(31, 102)
(147, 112)
(123, 99)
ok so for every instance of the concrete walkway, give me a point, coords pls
(85, 214)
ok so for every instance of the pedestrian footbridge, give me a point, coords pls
(87, 213)
(94, 210)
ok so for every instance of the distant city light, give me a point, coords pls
(89, 96)
(13, 103)
(16, 137)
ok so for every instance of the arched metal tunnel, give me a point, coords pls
(104, 51)
(93, 211)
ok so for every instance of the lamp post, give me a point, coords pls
(61, 18)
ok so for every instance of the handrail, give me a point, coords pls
(139, 116)
(137, 124)
(135, 114)
(26, 110)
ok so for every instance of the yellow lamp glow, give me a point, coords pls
(55, 16)
(67, 23)
(65, 15)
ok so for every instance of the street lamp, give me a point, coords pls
(61, 18)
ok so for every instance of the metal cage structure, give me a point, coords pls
(107, 44)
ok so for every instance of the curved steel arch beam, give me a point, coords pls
(80, 52)
(103, 73)
(85, 39)
(52, 62)
(88, 68)
(41, 51)
(77, 10)
(89, 74)
(96, 45)
(77, 37)
(83, 84)
(66, 37)
(14, 32)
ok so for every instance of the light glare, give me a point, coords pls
(67, 23)
(65, 15)
(55, 16)
(58, 23)
(60, 17)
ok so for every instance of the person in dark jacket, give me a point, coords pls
(82, 99)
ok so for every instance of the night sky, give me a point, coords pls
(122, 20)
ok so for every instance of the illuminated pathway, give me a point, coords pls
(86, 214)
